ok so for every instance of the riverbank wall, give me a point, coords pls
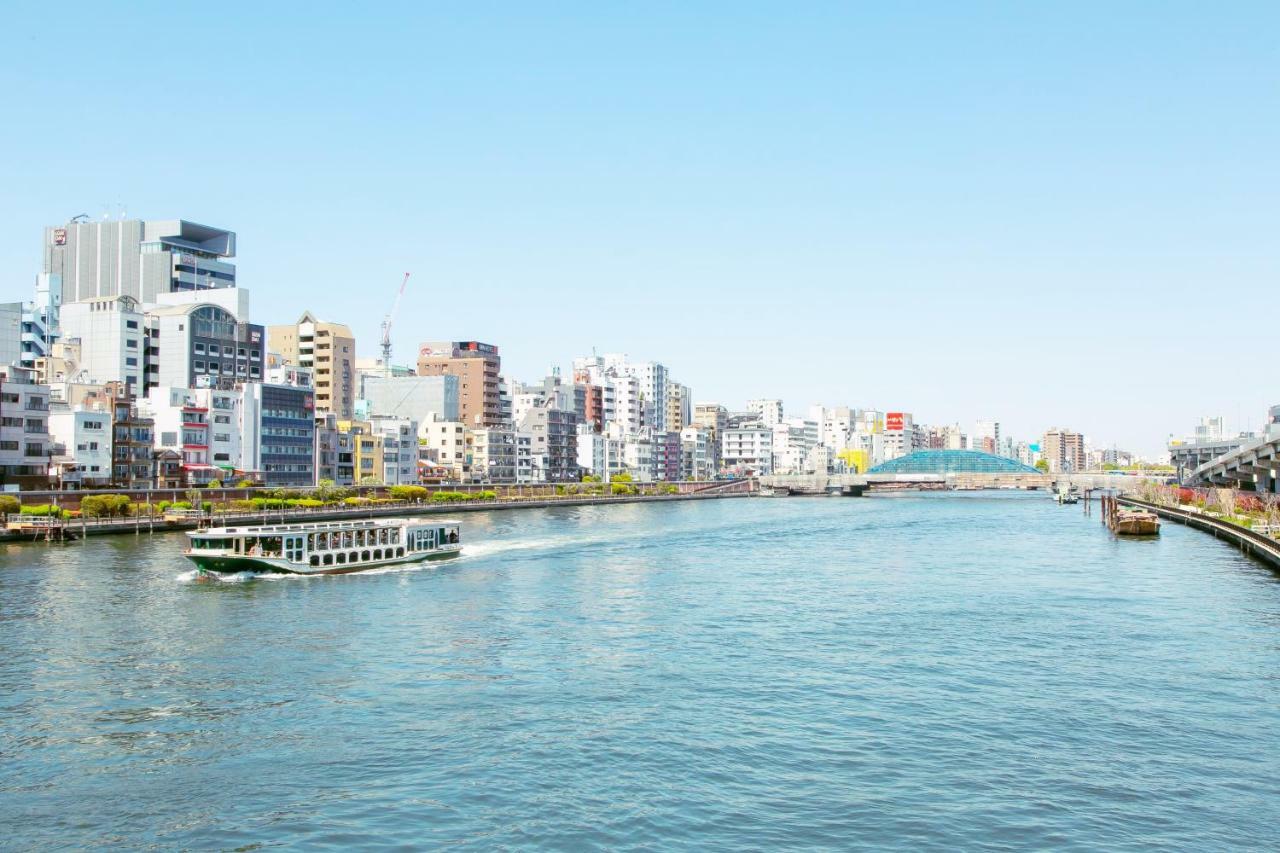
(1255, 544)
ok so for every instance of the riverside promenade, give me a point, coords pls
(1248, 541)
(37, 528)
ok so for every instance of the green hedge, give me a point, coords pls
(42, 509)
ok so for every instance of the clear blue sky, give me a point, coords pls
(955, 209)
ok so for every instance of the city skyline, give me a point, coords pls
(1003, 240)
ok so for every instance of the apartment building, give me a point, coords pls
(25, 444)
(477, 366)
(448, 445)
(85, 436)
(555, 441)
(747, 449)
(327, 348)
(1064, 450)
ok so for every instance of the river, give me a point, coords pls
(895, 672)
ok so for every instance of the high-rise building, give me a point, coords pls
(278, 436)
(137, 258)
(477, 367)
(652, 378)
(201, 345)
(899, 435)
(329, 349)
(986, 437)
(1064, 450)
(679, 406)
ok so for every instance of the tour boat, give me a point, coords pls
(323, 548)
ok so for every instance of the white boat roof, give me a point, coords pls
(323, 526)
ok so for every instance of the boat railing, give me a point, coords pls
(35, 520)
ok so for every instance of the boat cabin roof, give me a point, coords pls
(322, 527)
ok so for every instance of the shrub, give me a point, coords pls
(449, 497)
(162, 506)
(306, 503)
(671, 490)
(622, 489)
(214, 484)
(487, 496)
(42, 510)
(245, 484)
(408, 493)
(9, 505)
(180, 505)
(355, 501)
(105, 506)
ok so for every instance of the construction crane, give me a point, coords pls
(386, 328)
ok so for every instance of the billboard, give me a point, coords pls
(893, 421)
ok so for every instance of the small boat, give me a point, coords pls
(1066, 496)
(1135, 522)
(323, 548)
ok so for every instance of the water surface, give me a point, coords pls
(911, 672)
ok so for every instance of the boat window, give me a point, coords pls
(399, 552)
(315, 559)
(311, 541)
(328, 559)
(235, 545)
(346, 539)
(342, 558)
(377, 554)
(251, 546)
(322, 541)
(364, 556)
(395, 536)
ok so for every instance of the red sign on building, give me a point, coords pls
(893, 421)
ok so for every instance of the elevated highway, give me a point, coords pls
(1252, 466)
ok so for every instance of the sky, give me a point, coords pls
(1047, 214)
